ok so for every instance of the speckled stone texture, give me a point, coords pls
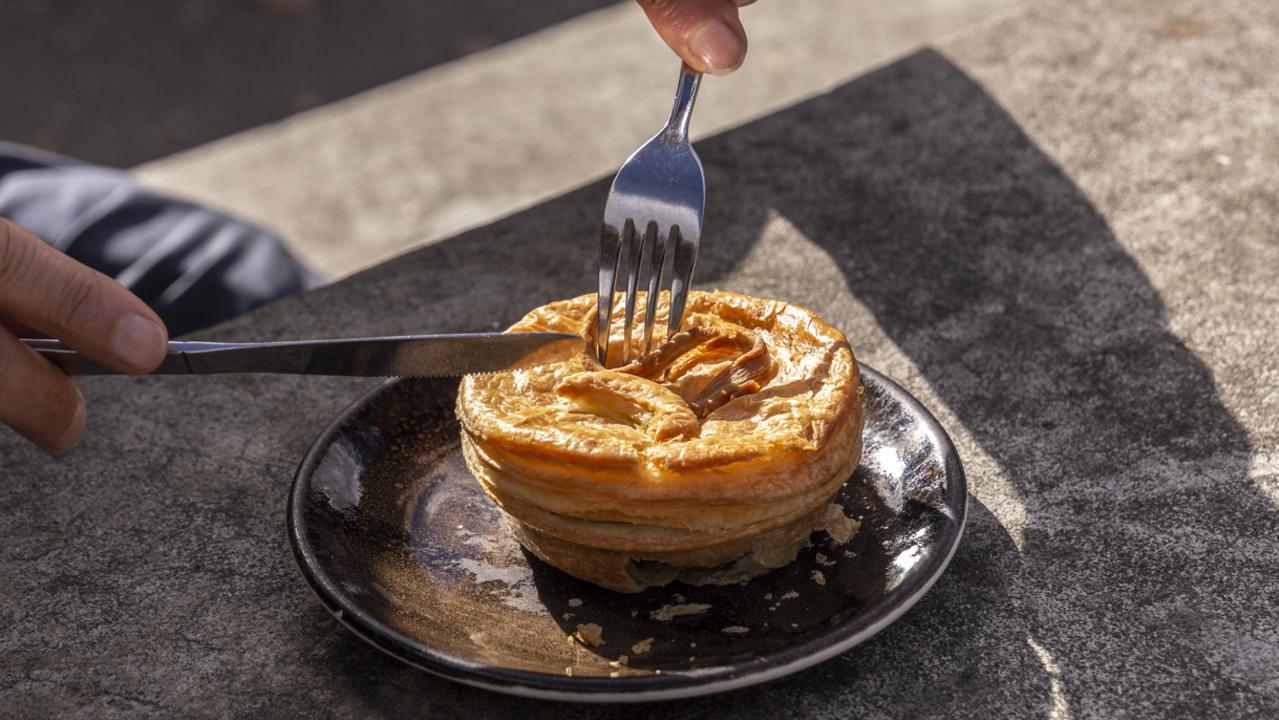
(1058, 231)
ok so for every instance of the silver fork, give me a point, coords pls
(653, 225)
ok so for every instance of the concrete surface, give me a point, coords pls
(121, 83)
(352, 183)
(1057, 231)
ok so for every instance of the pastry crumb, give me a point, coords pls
(634, 613)
(642, 646)
(692, 644)
(735, 630)
(623, 660)
(818, 577)
(568, 670)
(568, 616)
(590, 634)
(839, 526)
(666, 612)
(614, 674)
(768, 596)
(790, 595)
(575, 602)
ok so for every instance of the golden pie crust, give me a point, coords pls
(709, 460)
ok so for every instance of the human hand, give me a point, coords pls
(707, 34)
(43, 291)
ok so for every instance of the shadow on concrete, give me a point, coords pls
(985, 265)
(123, 83)
(982, 261)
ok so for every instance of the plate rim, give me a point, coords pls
(547, 686)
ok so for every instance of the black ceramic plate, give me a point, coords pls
(402, 546)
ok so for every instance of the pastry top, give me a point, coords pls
(735, 408)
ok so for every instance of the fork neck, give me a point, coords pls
(676, 129)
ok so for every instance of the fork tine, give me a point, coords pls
(685, 249)
(632, 251)
(610, 244)
(654, 264)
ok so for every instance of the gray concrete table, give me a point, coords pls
(1059, 231)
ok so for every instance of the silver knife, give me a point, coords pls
(412, 355)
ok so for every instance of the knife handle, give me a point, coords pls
(186, 357)
(446, 355)
(73, 363)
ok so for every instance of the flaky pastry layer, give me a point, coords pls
(732, 433)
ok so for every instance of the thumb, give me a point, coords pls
(707, 34)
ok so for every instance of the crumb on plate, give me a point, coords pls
(666, 612)
(590, 634)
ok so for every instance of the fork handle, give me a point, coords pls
(676, 129)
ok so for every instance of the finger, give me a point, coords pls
(36, 399)
(707, 34)
(22, 331)
(47, 291)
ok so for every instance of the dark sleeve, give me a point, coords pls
(195, 267)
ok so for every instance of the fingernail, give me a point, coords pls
(140, 342)
(71, 435)
(717, 46)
